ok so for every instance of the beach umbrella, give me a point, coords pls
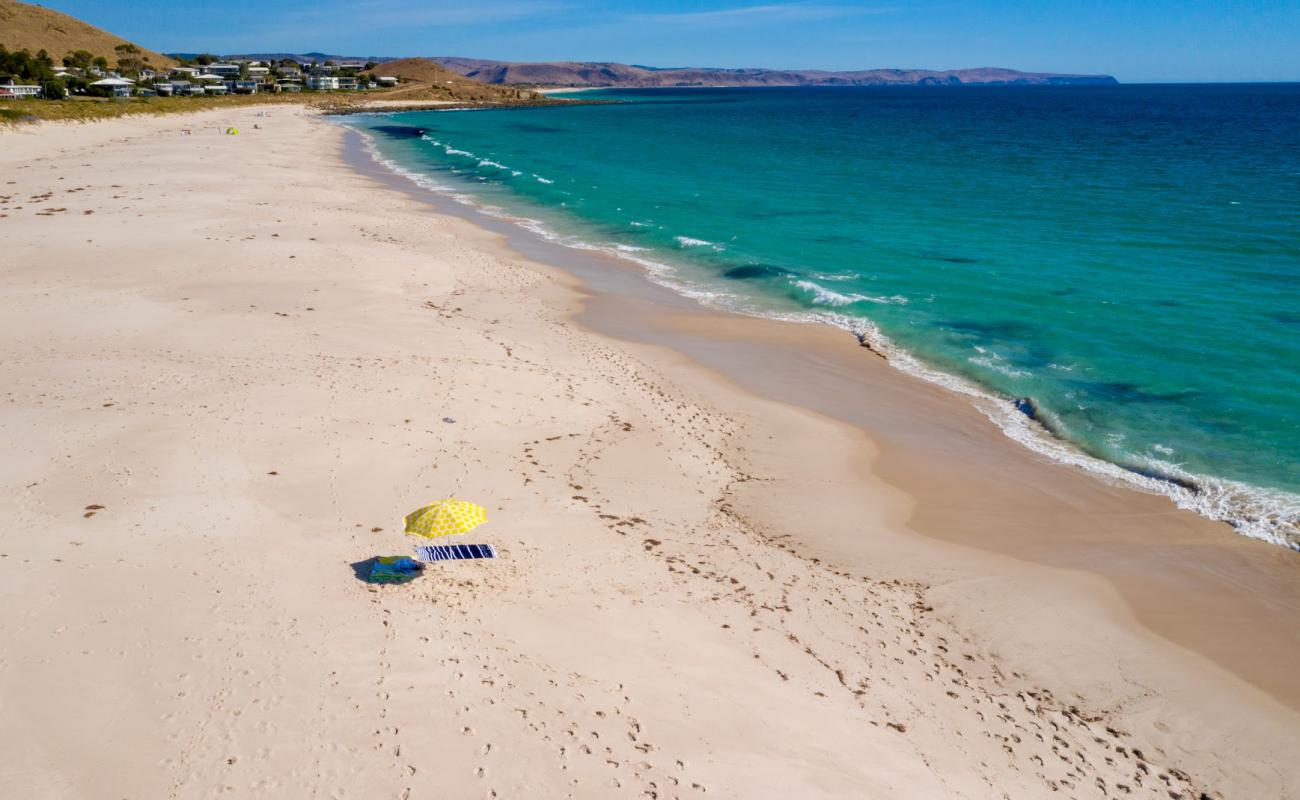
(445, 518)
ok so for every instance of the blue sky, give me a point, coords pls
(1137, 40)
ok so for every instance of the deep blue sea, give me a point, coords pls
(1123, 261)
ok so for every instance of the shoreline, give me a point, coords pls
(1125, 555)
(655, 586)
(1253, 511)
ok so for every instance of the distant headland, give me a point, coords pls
(616, 75)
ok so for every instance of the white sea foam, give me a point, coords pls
(687, 241)
(489, 163)
(825, 297)
(1271, 515)
(996, 364)
(835, 277)
(540, 179)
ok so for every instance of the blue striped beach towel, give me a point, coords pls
(454, 552)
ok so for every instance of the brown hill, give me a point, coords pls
(423, 79)
(34, 28)
(574, 73)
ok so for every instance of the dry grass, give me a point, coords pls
(423, 79)
(88, 109)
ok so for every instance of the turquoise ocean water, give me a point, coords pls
(1111, 273)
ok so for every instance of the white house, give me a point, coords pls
(386, 80)
(258, 72)
(14, 91)
(322, 82)
(121, 86)
(224, 70)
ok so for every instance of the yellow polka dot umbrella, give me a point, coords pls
(445, 518)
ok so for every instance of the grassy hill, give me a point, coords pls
(31, 27)
(423, 79)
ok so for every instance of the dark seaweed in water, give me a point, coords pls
(1007, 331)
(835, 238)
(751, 271)
(1285, 317)
(530, 127)
(1160, 476)
(400, 131)
(1020, 342)
(1122, 392)
(1027, 406)
(957, 259)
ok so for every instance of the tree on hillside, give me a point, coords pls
(100, 63)
(23, 67)
(128, 58)
(81, 59)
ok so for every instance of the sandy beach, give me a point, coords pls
(739, 558)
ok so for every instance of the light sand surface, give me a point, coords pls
(244, 351)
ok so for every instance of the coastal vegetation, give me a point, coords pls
(55, 67)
